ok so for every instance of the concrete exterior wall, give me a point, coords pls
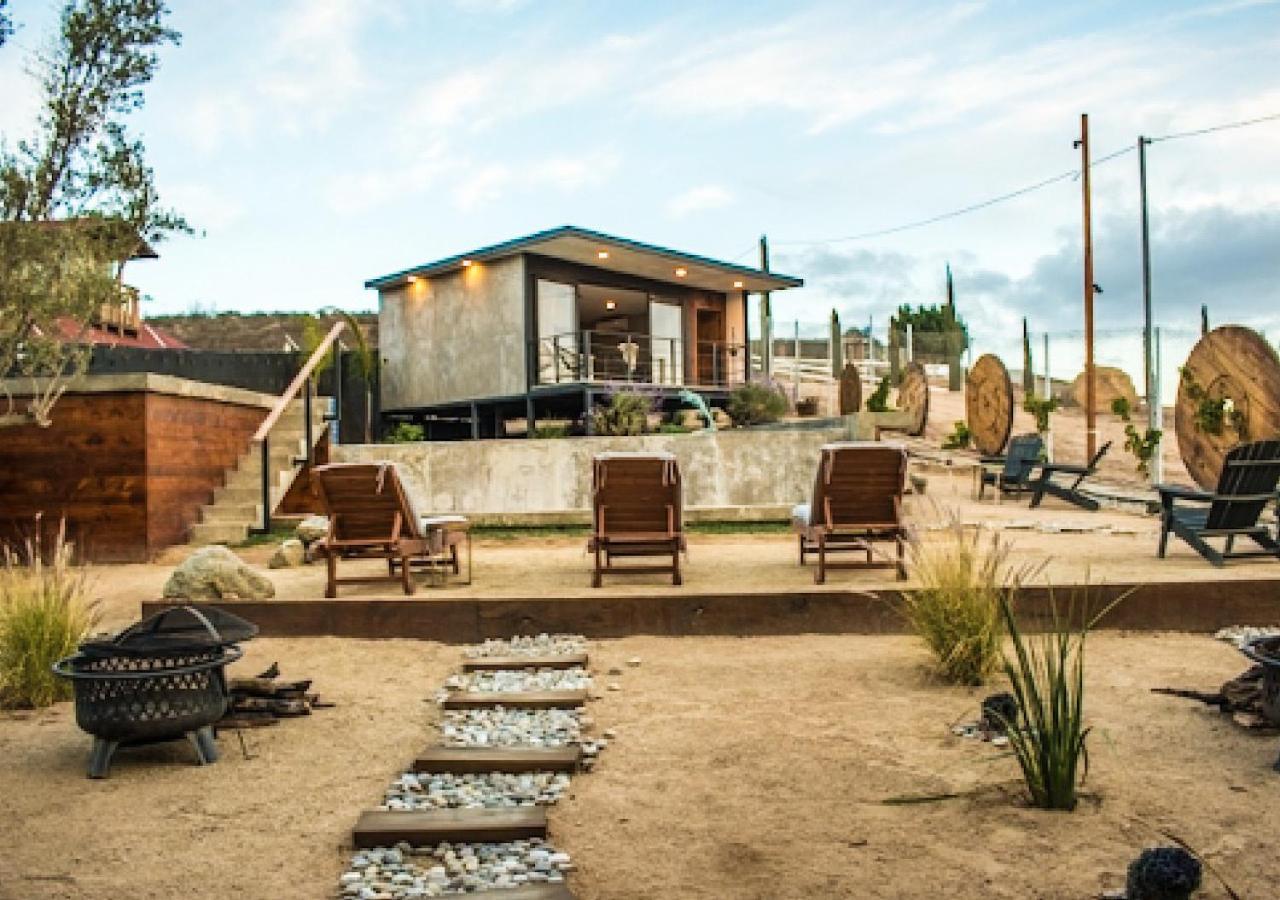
(456, 337)
(725, 470)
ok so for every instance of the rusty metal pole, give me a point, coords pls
(1090, 375)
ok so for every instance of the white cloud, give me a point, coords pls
(207, 208)
(481, 187)
(699, 199)
(211, 121)
(571, 173)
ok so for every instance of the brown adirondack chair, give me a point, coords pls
(372, 515)
(637, 511)
(857, 502)
(1248, 482)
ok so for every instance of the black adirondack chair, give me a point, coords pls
(1024, 455)
(1247, 484)
(1045, 485)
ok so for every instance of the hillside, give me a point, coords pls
(252, 331)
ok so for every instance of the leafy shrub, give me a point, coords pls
(879, 399)
(1141, 444)
(44, 615)
(551, 430)
(756, 404)
(1047, 678)
(964, 577)
(672, 428)
(405, 433)
(1213, 414)
(1041, 408)
(959, 439)
(626, 414)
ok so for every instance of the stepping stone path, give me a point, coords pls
(468, 817)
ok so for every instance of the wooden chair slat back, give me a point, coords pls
(365, 502)
(1024, 453)
(636, 494)
(859, 484)
(1248, 470)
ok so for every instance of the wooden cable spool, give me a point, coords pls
(988, 404)
(913, 398)
(850, 390)
(1236, 363)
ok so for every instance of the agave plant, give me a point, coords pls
(1046, 674)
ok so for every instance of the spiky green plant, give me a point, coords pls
(44, 615)
(964, 576)
(1046, 674)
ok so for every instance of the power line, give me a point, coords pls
(973, 207)
(1039, 185)
(1212, 128)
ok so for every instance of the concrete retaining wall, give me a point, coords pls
(727, 474)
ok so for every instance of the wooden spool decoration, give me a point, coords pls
(913, 398)
(1235, 363)
(988, 404)
(850, 390)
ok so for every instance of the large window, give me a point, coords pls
(558, 358)
(666, 329)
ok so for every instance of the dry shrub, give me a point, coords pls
(964, 576)
(44, 615)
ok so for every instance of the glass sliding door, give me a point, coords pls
(666, 330)
(558, 356)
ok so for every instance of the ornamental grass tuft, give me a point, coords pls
(44, 615)
(964, 575)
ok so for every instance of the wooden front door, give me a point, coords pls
(710, 347)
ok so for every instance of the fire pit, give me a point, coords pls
(1265, 651)
(158, 680)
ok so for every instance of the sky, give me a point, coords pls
(318, 143)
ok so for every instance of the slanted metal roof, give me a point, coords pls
(581, 245)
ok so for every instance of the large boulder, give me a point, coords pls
(215, 573)
(1112, 383)
(312, 528)
(290, 553)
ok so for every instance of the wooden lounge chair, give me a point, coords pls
(371, 515)
(1044, 484)
(1248, 481)
(857, 501)
(1024, 455)
(637, 511)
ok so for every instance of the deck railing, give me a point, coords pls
(303, 381)
(123, 315)
(593, 357)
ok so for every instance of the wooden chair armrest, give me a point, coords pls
(1065, 468)
(1179, 492)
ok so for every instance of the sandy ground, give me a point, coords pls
(1067, 427)
(749, 563)
(744, 768)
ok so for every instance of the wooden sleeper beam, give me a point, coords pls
(473, 760)
(515, 699)
(426, 828)
(558, 661)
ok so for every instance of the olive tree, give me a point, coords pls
(77, 198)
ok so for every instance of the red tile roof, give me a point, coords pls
(148, 338)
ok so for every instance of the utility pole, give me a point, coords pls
(766, 317)
(1090, 376)
(1149, 356)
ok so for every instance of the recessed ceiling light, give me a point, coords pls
(681, 272)
(611, 304)
(466, 263)
(602, 254)
(414, 279)
(737, 284)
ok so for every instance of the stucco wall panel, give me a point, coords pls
(459, 336)
(724, 469)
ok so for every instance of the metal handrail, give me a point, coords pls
(263, 435)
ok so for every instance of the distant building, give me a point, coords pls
(543, 325)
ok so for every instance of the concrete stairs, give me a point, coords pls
(237, 505)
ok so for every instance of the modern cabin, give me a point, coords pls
(545, 325)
